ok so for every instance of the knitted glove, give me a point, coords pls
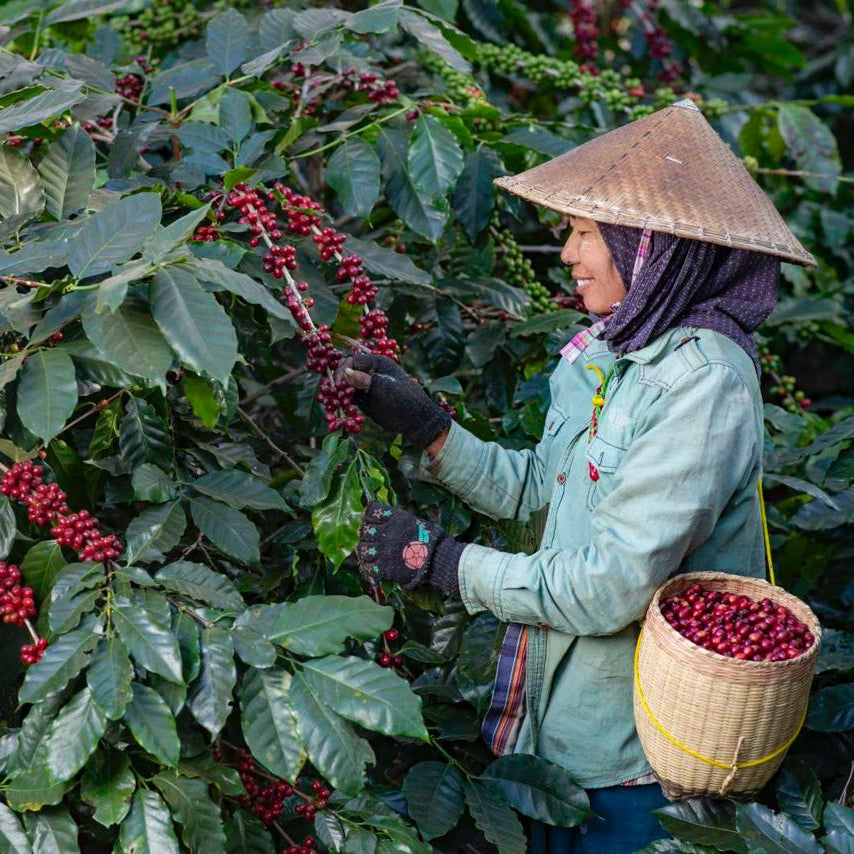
(389, 396)
(398, 546)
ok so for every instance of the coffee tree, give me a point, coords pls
(203, 207)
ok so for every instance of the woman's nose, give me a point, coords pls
(567, 254)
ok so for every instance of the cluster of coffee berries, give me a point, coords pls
(254, 213)
(206, 233)
(104, 123)
(16, 602)
(387, 659)
(519, 271)
(309, 809)
(47, 505)
(266, 802)
(737, 626)
(31, 653)
(302, 213)
(378, 91)
(329, 242)
(308, 846)
(783, 385)
(582, 13)
(658, 43)
(130, 86)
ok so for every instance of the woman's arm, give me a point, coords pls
(698, 446)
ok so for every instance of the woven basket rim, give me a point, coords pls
(685, 579)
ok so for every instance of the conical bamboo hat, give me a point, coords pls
(669, 171)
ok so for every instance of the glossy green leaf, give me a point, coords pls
(194, 322)
(336, 521)
(474, 193)
(152, 724)
(154, 647)
(74, 10)
(34, 110)
(200, 819)
(13, 840)
(839, 817)
(47, 392)
(368, 694)
(539, 789)
(703, 821)
(148, 827)
(40, 567)
(34, 789)
(246, 833)
(74, 735)
(832, 709)
(317, 479)
(252, 648)
(239, 489)
(227, 40)
(228, 529)
(68, 172)
(21, 191)
(386, 262)
(799, 794)
(173, 235)
(156, 530)
(202, 399)
(331, 743)
(129, 339)
(210, 696)
(108, 784)
(62, 660)
(113, 235)
(435, 158)
(269, 724)
(186, 630)
(353, 172)
(495, 819)
(109, 677)
(8, 527)
(151, 483)
(763, 830)
(812, 146)
(201, 583)
(430, 37)
(434, 797)
(143, 437)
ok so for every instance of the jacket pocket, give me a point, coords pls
(604, 455)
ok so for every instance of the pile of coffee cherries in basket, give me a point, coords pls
(737, 626)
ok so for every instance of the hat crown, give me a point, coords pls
(670, 172)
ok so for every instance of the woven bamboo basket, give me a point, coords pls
(711, 725)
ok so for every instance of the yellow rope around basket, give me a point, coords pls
(765, 532)
(727, 765)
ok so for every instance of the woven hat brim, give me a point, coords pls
(668, 172)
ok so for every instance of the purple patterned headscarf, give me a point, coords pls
(688, 282)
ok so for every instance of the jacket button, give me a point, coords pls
(561, 478)
(544, 626)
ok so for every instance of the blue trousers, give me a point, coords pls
(625, 824)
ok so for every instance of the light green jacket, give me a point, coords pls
(679, 451)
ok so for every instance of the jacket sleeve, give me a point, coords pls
(696, 445)
(492, 480)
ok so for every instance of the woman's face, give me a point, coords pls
(585, 251)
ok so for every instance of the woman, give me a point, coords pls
(649, 458)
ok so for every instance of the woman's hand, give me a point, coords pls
(398, 546)
(389, 396)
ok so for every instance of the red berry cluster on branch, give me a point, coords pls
(658, 42)
(16, 603)
(31, 653)
(582, 13)
(378, 91)
(206, 233)
(737, 626)
(130, 86)
(387, 659)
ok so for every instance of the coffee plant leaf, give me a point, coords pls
(762, 829)
(269, 724)
(130, 340)
(491, 290)
(74, 735)
(336, 520)
(434, 158)
(539, 789)
(245, 832)
(235, 113)
(227, 41)
(194, 322)
(155, 531)
(62, 661)
(704, 822)
(34, 789)
(40, 567)
(252, 648)
(379, 18)
(431, 37)
(47, 393)
(143, 437)
(228, 529)
(474, 194)
(812, 146)
(109, 677)
(151, 483)
(838, 842)
(152, 724)
(418, 211)
(317, 478)
(330, 741)
(8, 527)
(386, 262)
(494, 818)
(12, 836)
(239, 489)
(67, 173)
(353, 172)
(202, 399)
(108, 784)
(199, 817)
(53, 831)
(202, 584)
(345, 684)
(65, 614)
(544, 323)
(151, 645)
(538, 139)
(162, 242)
(148, 827)
(34, 257)
(832, 709)
(21, 191)
(114, 234)
(276, 28)
(319, 625)
(839, 817)
(210, 695)
(799, 794)
(188, 79)
(74, 10)
(434, 797)
(329, 830)
(676, 846)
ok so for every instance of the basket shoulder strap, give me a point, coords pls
(768, 560)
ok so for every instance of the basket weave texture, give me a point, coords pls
(670, 172)
(734, 712)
